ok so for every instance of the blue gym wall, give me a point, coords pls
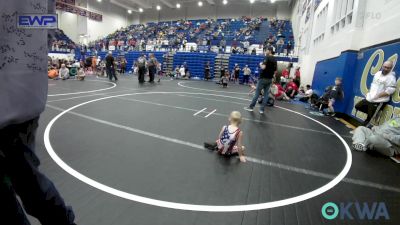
(194, 60)
(326, 72)
(350, 65)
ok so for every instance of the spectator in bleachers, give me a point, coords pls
(288, 48)
(222, 45)
(234, 50)
(382, 87)
(246, 45)
(184, 42)
(63, 72)
(279, 45)
(254, 51)
(173, 36)
(384, 139)
(209, 44)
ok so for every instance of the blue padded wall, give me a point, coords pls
(353, 66)
(195, 62)
(242, 60)
(326, 72)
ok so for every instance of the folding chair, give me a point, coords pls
(378, 109)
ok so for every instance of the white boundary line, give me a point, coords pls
(199, 112)
(249, 158)
(82, 92)
(192, 207)
(222, 115)
(86, 96)
(210, 113)
(203, 89)
(228, 92)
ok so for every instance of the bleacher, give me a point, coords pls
(61, 43)
(195, 60)
(255, 31)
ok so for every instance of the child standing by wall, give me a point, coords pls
(224, 81)
(230, 138)
(331, 95)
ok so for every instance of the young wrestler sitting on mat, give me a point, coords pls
(230, 138)
(80, 75)
(225, 80)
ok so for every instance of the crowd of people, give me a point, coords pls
(66, 68)
(239, 34)
(60, 42)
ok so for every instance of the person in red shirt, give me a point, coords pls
(280, 94)
(285, 76)
(297, 73)
(285, 72)
(297, 76)
(291, 89)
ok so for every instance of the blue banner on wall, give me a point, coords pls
(368, 63)
(357, 70)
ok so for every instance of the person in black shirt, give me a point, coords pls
(236, 72)
(222, 71)
(110, 67)
(207, 69)
(152, 66)
(267, 71)
(331, 95)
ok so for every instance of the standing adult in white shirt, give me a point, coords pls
(382, 87)
(182, 72)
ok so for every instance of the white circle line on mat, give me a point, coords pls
(83, 92)
(204, 89)
(193, 207)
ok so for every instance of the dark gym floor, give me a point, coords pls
(150, 145)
